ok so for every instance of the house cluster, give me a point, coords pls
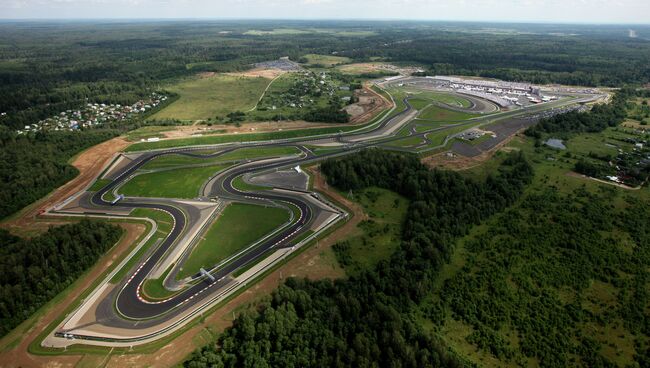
(304, 92)
(94, 115)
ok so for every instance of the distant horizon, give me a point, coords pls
(369, 20)
(596, 12)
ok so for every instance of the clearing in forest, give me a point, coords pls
(212, 96)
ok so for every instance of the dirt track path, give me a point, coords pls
(89, 163)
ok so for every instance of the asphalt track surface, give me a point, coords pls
(129, 303)
(132, 306)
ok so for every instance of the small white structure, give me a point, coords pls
(205, 273)
(298, 169)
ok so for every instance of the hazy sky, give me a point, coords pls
(581, 11)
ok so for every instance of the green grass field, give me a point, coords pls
(445, 98)
(239, 226)
(435, 113)
(99, 184)
(178, 183)
(174, 160)
(326, 60)
(154, 289)
(377, 238)
(204, 98)
(407, 142)
(419, 103)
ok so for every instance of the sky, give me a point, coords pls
(553, 11)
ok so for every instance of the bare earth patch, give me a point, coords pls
(89, 163)
(18, 356)
(260, 72)
(459, 162)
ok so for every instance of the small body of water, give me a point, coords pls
(555, 143)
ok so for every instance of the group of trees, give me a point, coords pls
(365, 320)
(33, 271)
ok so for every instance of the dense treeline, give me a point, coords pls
(365, 321)
(33, 271)
(32, 166)
(563, 275)
(597, 119)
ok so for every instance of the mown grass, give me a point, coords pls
(99, 184)
(174, 160)
(435, 113)
(239, 226)
(251, 137)
(177, 183)
(407, 142)
(445, 98)
(154, 289)
(204, 98)
(164, 224)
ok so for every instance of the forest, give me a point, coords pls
(33, 271)
(366, 320)
(46, 67)
(549, 278)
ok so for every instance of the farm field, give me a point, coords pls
(238, 226)
(209, 97)
(178, 183)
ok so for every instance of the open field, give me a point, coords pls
(365, 68)
(326, 60)
(240, 154)
(238, 226)
(178, 183)
(218, 95)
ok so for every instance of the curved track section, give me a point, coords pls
(126, 308)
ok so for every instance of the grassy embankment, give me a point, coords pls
(176, 160)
